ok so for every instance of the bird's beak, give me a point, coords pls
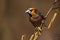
(27, 11)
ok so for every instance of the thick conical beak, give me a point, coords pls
(28, 11)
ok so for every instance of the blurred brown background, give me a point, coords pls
(14, 21)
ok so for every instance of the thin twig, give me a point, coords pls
(50, 9)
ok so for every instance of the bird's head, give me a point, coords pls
(31, 11)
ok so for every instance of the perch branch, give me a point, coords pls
(52, 20)
(22, 38)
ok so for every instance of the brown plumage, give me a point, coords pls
(35, 20)
(35, 17)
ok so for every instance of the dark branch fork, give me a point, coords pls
(51, 8)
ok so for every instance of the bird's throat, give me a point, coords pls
(33, 14)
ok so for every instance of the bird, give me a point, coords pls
(35, 17)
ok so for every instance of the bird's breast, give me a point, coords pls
(36, 18)
(36, 21)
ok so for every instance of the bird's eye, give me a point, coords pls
(30, 10)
